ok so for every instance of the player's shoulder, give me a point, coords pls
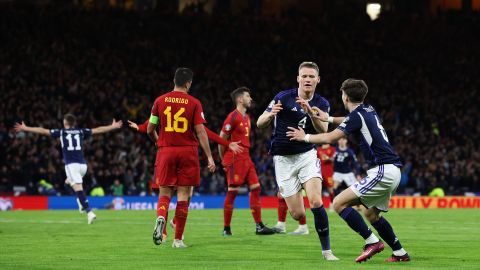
(289, 93)
(317, 98)
(233, 115)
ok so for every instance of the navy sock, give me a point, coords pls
(83, 200)
(385, 231)
(356, 222)
(321, 226)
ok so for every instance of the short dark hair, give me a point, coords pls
(238, 92)
(355, 89)
(309, 65)
(71, 119)
(182, 76)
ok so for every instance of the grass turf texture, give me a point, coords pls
(435, 239)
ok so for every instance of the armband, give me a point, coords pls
(153, 119)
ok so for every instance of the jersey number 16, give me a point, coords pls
(180, 123)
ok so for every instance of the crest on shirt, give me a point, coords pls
(228, 127)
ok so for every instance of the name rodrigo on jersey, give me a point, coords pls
(176, 100)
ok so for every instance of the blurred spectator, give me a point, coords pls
(116, 188)
(105, 64)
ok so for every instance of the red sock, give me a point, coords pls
(173, 220)
(303, 220)
(162, 206)
(165, 227)
(255, 205)
(228, 207)
(181, 214)
(282, 209)
(332, 196)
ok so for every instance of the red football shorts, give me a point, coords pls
(327, 181)
(177, 166)
(241, 172)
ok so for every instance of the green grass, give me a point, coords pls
(435, 239)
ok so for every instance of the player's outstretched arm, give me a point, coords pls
(142, 128)
(299, 135)
(19, 127)
(104, 129)
(234, 146)
(203, 140)
(133, 125)
(264, 120)
(324, 117)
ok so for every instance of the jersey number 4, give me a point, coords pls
(180, 123)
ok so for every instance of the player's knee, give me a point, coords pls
(337, 205)
(316, 202)
(297, 215)
(371, 216)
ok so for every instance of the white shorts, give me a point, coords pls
(75, 173)
(291, 171)
(380, 184)
(348, 178)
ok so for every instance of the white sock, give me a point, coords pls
(399, 252)
(326, 251)
(303, 226)
(280, 224)
(371, 239)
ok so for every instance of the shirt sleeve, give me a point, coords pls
(351, 123)
(55, 133)
(198, 117)
(228, 125)
(270, 105)
(154, 113)
(142, 128)
(214, 137)
(87, 132)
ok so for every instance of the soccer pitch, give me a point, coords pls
(434, 238)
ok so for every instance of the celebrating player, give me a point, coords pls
(296, 163)
(180, 117)
(71, 140)
(239, 166)
(383, 177)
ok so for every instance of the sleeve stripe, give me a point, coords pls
(153, 119)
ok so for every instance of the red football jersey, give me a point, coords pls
(177, 113)
(327, 165)
(237, 127)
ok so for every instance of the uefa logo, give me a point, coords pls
(5, 204)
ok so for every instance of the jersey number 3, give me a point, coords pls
(180, 123)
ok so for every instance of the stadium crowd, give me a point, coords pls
(100, 65)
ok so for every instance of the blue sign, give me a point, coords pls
(143, 203)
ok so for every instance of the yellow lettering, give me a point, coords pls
(176, 100)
